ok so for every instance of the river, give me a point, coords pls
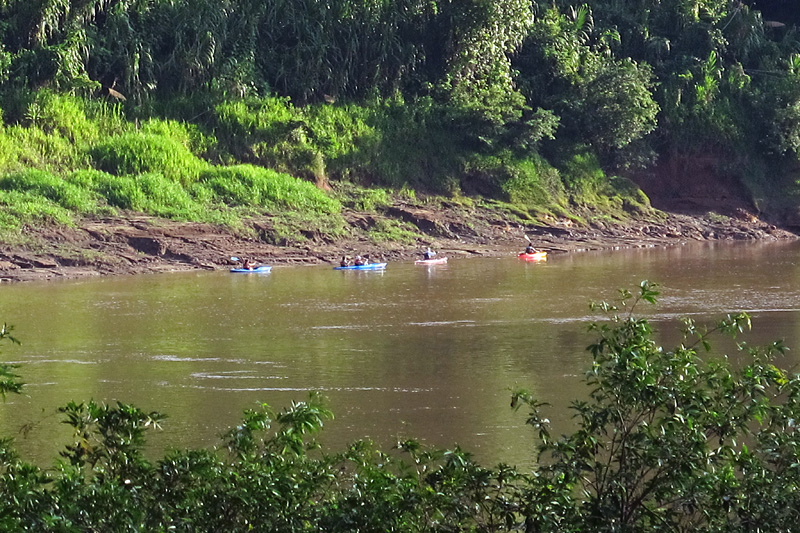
(428, 352)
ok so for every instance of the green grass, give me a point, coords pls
(222, 195)
(142, 152)
(117, 191)
(30, 147)
(65, 116)
(251, 186)
(18, 209)
(365, 199)
(290, 228)
(390, 230)
(41, 183)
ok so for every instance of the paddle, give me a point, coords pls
(235, 259)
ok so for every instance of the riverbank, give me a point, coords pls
(139, 244)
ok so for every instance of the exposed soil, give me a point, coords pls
(139, 244)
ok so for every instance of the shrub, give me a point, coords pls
(529, 182)
(408, 145)
(668, 440)
(533, 182)
(582, 173)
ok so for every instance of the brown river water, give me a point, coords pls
(428, 352)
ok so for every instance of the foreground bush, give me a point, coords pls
(669, 441)
(666, 441)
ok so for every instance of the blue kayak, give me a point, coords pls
(258, 270)
(371, 266)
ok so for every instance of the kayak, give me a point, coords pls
(371, 266)
(536, 256)
(258, 270)
(434, 261)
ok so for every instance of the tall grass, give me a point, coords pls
(253, 119)
(33, 147)
(337, 130)
(108, 116)
(116, 191)
(64, 115)
(54, 131)
(153, 194)
(87, 157)
(269, 132)
(251, 186)
(138, 153)
(189, 135)
(40, 183)
(18, 209)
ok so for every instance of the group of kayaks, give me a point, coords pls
(535, 256)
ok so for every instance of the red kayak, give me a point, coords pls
(536, 256)
(434, 261)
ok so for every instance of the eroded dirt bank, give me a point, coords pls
(141, 244)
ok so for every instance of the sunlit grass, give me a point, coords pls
(137, 153)
(251, 186)
(18, 209)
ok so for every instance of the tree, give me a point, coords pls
(670, 441)
(566, 65)
(483, 37)
(618, 107)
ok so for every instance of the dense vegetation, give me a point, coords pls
(665, 440)
(176, 107)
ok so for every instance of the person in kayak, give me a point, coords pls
(428, 254)
(248, 264)
(344, 262)
(358, 261)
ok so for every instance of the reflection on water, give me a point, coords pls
(415, 351)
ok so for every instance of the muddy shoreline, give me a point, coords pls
(138, 244)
